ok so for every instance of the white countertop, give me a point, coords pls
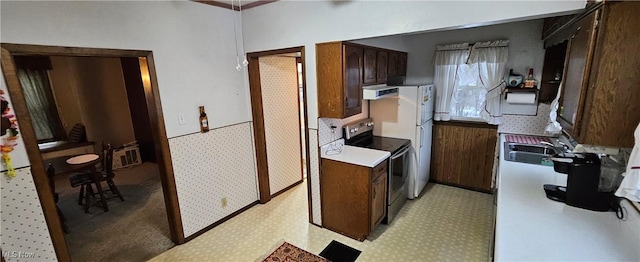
(530, 227)
(355, 155)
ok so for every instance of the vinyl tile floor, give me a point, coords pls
(444, 224)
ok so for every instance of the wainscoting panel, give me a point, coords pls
(314, 177)
(212, 170)
(23, 227)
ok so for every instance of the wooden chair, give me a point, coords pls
(51, 172)
(86, 181)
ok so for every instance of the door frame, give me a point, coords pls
(255, 90)
(38, 172)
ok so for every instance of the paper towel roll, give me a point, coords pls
(521, 98)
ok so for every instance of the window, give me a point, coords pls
(469, 94)
(34, 78)
(469, 81)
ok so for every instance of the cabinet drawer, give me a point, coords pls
(379, 170)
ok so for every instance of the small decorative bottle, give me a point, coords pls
(530, 82)
(204, 121)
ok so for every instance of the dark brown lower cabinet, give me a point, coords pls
(463, 154)
(354, 198)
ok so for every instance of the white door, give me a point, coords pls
(424, 157)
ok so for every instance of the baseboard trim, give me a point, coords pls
(287, 188)
(463, 187)
(202, 231)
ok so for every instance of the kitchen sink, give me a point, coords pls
(530, 154)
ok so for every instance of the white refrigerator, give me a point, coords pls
(409, 116)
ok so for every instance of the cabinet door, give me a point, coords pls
(578, 65)
(402, 64)
(392, 69)
(378, 200)
(383, 58)
(370, 64)
(352, 80)
(463, 154)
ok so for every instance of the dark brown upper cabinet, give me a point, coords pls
(339, 73)
(392, 66)
(370, 66)
(600, 94)
(402, 64)
(383, 57)
(554, 59)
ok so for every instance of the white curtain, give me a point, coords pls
(37, 92)
(491, 58)
(448, 58)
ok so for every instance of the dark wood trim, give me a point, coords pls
(216, 3)
(163, 155)
(235, 7)
(258, 129)
(35, 158)
(465, 124)
(257, 3)
(22, 49)
(277, 52)
(461, 186)
(258, 121)
(287, 188)
(306, 131)
(202, 231)
(40, 179)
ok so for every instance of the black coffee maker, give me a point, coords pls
(589, 184)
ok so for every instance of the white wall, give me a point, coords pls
(192, 44)
(305, 23)
(194, 54)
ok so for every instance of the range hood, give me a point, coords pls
(378, 92)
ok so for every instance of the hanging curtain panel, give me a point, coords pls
(448, 58)
(491, 58)
(42, 109)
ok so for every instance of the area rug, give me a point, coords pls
(289, 252)
(338, 252)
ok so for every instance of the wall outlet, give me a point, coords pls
(223, 202)
(181, 119)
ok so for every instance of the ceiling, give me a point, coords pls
(245, 4)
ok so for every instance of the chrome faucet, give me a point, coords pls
(566, 148)
(547, 144)
(550, 146)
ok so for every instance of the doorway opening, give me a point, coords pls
(278, 88)
(110, 96)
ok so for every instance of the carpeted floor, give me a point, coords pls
(133, 230)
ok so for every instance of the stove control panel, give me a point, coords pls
(357, 127)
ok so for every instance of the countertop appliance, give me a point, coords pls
(360, 134)
(378, 92)
(591, 180)
(409, 116)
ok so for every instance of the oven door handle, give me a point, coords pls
(399, 154)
